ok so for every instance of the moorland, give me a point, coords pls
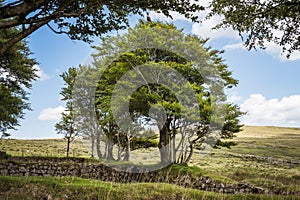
(264, 156)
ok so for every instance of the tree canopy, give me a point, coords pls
(17, 71)
(80, 19)
(256, 20)
(261, 21)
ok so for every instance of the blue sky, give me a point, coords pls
(269, 84)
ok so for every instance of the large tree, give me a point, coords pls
(80, 19)
(156, 73)
(260, 21)
(17, 71)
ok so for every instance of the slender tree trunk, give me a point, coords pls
(119, 147)
(190, 154)
(127, 155)
(174, 146)
(68, 146)
(93, 144)
(99, 154)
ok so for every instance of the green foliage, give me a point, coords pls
(138, 143)
(16, 74)
(262, 21)
(81, 19)
(232, 124)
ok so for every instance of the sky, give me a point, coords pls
(268, 89)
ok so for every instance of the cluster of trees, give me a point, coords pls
(258, 21)
(164, 84)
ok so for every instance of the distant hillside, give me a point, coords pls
(268, 132)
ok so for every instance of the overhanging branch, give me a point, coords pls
(5, 46)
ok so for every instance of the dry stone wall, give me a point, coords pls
(14, 166)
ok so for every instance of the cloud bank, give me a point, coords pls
(275, 112)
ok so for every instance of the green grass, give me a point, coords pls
(78, 188)
(267, 157)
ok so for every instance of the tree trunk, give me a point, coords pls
(93, 144)
(99, 154)
(110, 150)
(164, 145)
(68, 146)
(174, 146)
(119, 147)
(190, 155)
(127, 155)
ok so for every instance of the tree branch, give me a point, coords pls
(24, 8)
(5, 46)
(55, 31)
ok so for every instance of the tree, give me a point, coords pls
(156, 73)
(87, 123)
(17, 71)
(262, 21)
(80, 19)
(126, 140)
(67, 125)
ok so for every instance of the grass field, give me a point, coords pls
(264, 156)
(267, 157)
(42, 147)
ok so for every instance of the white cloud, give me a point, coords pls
(234, 46)
(272, 49)
(276, 51)
(162, 17)
(205, 29)
(40, 73)
(51, 114)
(178, 16)
(277, 112)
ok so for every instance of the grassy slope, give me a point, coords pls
(78, 188)
(265, 156)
